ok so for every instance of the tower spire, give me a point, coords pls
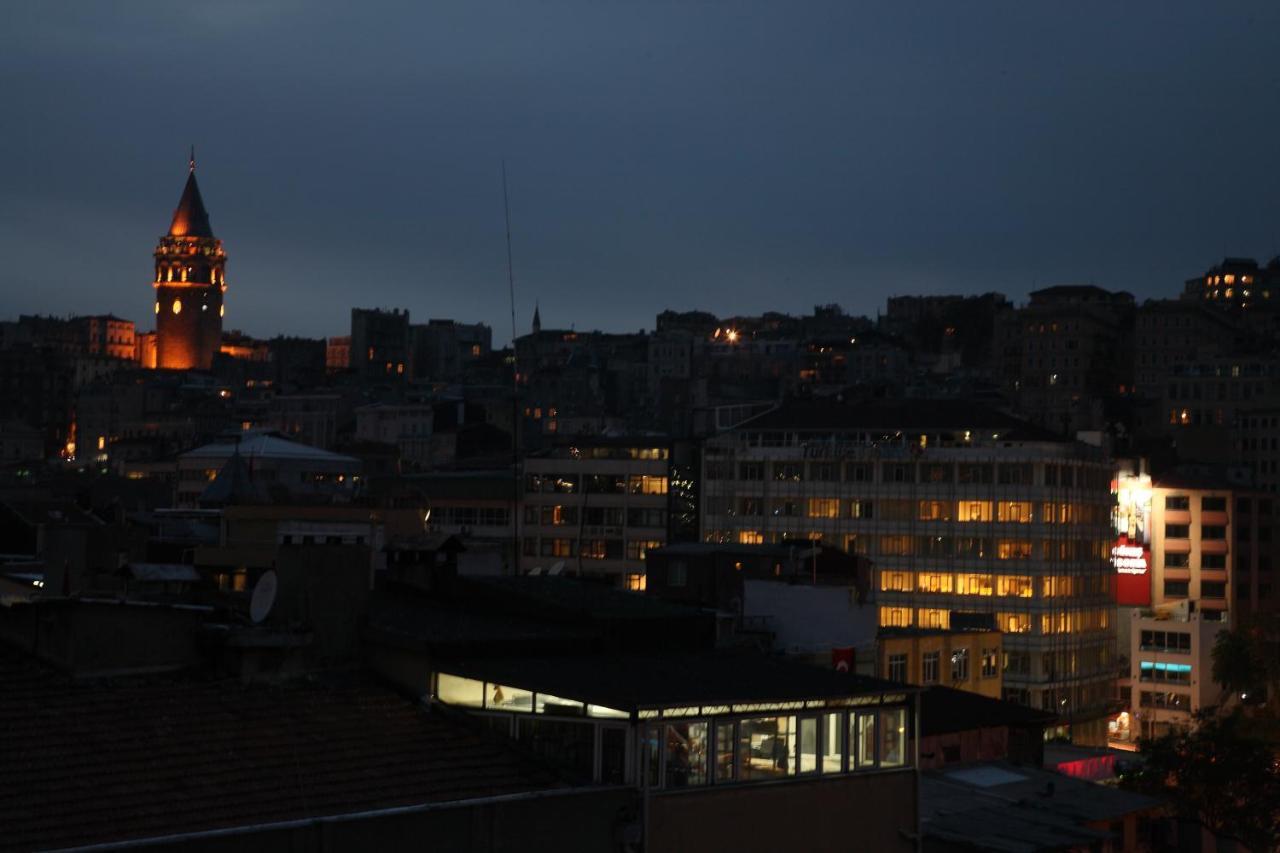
(191, 164)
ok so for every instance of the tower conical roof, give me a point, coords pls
(191, 219)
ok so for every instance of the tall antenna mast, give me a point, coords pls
(515, 388)
(511, 279)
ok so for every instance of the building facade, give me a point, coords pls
(1170, 675)
(963, 660)
(970, 517)
(1197, 538)
(1064, 354)
(379, 347)
(597, 506)
(190, 281)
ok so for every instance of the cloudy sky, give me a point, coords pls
(729, 156)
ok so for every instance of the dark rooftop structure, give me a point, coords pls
(132, 759)
(233, 486)
(636, 682)
(1005, 807)
(1079, 293)
(835, 414)
(533, 615)
(945, 709)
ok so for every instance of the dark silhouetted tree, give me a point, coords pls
(1217, 774)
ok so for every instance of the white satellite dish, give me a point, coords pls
(556, 568)
(264, 597)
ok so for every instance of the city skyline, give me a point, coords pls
(1131, 163)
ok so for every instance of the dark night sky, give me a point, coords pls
(727, 156)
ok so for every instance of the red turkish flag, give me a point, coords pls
(842, 660)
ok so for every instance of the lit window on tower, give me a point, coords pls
(177, 306)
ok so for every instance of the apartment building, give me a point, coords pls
(1170, 672)
(1193, 536)
(972, 518)
(1065, 353)
(596, 505)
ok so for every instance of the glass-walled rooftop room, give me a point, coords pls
(694, 746)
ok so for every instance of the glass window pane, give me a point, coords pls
(500, 697)
(864, 726)
(893, 737)
(686, 754)
(464, 692)
(808, 744)
(567, 744)
(766, 748)
(724, 752)
(611, 713)
(652, 754)
(832, 743)
(613, 755)
(548, 704)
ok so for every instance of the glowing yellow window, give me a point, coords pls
(1014, 623)
(177, 306)
(927, 617)
(824, 508)
(222, 310)
(157, 307)
(896, 617)
(935, 582)
(975, 510)
(643, 484)
(1017, 586)
(1013, 549)
(750, 537)
(974, 584)
(1018, 512)
(895, 581)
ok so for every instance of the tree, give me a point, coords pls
(1217, 774)
(1246, 660)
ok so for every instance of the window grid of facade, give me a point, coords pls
(1017, 532)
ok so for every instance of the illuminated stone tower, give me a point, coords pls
(189, 282)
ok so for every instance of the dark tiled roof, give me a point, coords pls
(944, 710)
(92, 763)
(833, 414)
(629, 682)
(191, 219)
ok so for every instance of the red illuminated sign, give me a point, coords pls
(1132, 563)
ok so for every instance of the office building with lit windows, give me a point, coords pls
(595, 505)
(971, 518)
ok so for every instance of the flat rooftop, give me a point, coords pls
(640, 682)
